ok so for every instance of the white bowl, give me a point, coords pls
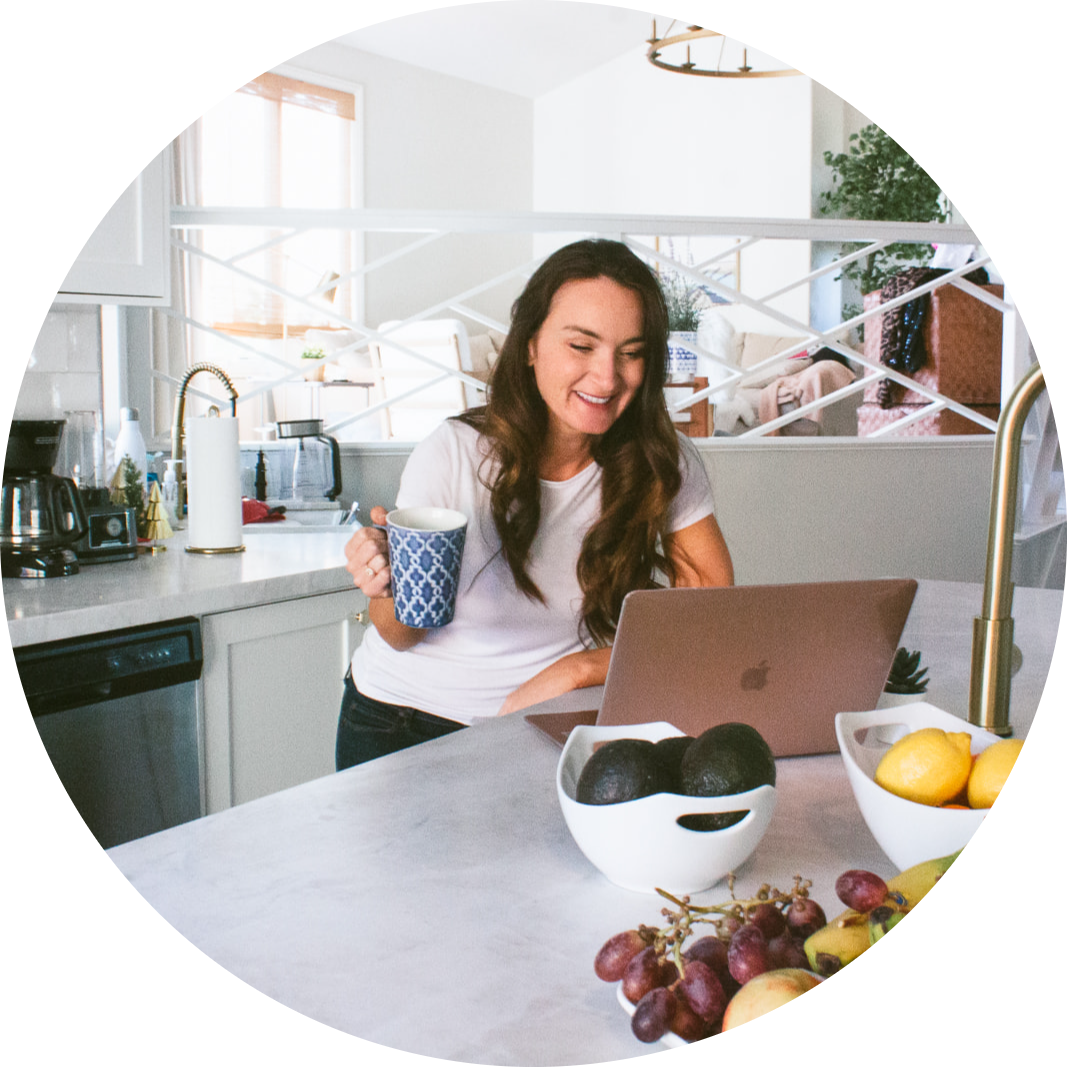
(638, 844)
(907, 832)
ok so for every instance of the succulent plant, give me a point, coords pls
(904, 675)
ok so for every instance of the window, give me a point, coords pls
(277, 142)
(281, 141)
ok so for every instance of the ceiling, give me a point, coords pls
(528, 47)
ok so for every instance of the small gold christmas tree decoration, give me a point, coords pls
(156, 524)
(117, 491)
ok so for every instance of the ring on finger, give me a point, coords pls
(371, 572)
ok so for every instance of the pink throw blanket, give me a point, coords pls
(801, 388)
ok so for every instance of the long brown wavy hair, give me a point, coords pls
(638, 455)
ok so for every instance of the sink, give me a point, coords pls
(290, 528)
(302, 518)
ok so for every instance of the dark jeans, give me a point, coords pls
(369, 728)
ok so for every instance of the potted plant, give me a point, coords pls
(685, 304)
(877, 180)
(906, 682)
(315, 374)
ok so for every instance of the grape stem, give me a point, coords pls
(668, 939)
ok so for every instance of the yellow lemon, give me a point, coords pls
(990, 770)
(928, 766)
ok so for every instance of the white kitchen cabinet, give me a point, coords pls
(271, 687)
(126, 260)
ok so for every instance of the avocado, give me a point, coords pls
(621, 770)
(669, 751)
(729, 758)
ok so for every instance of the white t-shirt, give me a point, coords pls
(498, 638)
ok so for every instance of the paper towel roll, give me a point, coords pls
(213, 483)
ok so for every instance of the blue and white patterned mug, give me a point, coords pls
(425, 551)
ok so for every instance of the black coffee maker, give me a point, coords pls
(41, 514)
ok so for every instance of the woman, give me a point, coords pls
(577, 489)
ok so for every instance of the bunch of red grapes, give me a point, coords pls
(686, 990)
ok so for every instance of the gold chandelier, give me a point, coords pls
(657, 44)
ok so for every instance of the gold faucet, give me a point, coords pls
(177, 430)
(991, 650)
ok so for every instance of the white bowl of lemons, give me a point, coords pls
(933, 758)
(639, 844)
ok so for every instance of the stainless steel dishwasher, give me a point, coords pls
(117, 713)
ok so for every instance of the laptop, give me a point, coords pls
(783, 658)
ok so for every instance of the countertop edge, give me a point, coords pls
(99, 609)
(95, 618)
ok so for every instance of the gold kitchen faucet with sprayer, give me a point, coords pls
(177, 433)
(992, 647)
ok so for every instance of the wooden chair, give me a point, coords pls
(445, 346)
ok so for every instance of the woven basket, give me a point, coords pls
(963, 339)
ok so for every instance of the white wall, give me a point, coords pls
(833, 121)
(436, 142)
(627, 137)
(633, 139)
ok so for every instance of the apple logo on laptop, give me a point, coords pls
(755, 677)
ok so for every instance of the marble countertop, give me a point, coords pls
(176, 583)
(454, 859)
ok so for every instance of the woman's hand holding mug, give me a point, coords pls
(367, 555)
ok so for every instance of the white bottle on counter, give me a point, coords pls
(130, 443)
(170, 493)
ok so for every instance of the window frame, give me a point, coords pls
(128, 357)
(357, 178)
(355, 193)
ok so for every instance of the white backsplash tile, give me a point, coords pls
(64, 368)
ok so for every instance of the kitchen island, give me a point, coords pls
(434, 901)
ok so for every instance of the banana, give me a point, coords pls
(838, 943)
(844, 938)
(917, 881)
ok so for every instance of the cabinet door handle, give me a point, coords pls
(362, 617)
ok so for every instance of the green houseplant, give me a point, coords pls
(877, 180)
(685, 302)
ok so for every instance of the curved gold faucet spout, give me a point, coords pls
(990, 696)
(177, 430)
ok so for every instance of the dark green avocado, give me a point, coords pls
(726, 759)
(621, 770)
